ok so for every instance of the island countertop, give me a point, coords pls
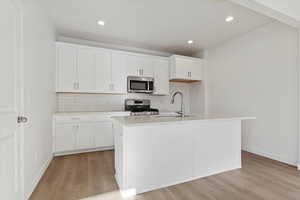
(141, 120)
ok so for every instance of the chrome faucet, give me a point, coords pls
(182, 103)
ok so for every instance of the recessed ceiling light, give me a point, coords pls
(190, 42)
(101, 23)
(229, 19)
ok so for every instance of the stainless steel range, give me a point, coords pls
(139, 107)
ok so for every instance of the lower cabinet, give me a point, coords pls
(103, 136)
(82, 136)
(85, 136)
(65, 138)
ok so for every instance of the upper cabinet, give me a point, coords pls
(118, 73)
(87, 70)
(82, 69)
(66, 68)
(103, 72)
(137, 65)
(186, 69)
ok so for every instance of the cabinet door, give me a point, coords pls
(84, 139)
(197, 70)
(86, 69)
(190, 69)
(118, 74)
(66, 68)
(182, 68)
(103, 71)
(103, 134)
(65, 138)
(147, 67)
(161, 77)
(139, 66)
(133, 66)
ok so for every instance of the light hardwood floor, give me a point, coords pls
(91, 176)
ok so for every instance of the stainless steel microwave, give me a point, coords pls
(136, 84)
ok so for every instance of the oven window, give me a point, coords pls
(138, 85)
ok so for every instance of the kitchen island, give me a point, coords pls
(152, 152)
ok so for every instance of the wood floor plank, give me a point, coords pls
(91, 176)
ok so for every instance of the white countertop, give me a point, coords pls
(138, 120)
(90, 113)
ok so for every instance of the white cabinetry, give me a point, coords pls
(186, 68)
(103, 71)
(118, 73)
(66, 71)
(85, 136)
(139, 66)
(83, 69)
(103, 134)
(86, 69)
(81, 133)
(65, 138)
(161, 77)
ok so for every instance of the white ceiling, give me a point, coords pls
(163, 25)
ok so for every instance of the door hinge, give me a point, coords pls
(22, 119)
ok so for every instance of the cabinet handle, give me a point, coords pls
(76, 85)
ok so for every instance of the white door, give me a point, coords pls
(85, 136)
(65, 137)
(86, 69)
(103, 71)
(197, 70)
(10, 100)
(133, 66)
(146, 66)
(66, 68)
(103, 134)
(118, 73)
(161, 77)
(183, 68)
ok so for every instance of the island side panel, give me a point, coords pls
(162, 154)
(119, 153)
(158, 155)
(217, 147)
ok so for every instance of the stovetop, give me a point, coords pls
(139, 107)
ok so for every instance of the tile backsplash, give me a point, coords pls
(67, 102)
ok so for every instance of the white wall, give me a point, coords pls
(286, 11)
(288, 7)
(109, 102)
(39, 96)
(257, 75)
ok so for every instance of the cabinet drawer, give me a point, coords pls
(81, 118)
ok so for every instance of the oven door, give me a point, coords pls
(139, 85)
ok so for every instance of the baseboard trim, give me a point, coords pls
(38, 177)
(151, 188)
(64, 153)
(271, 156)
